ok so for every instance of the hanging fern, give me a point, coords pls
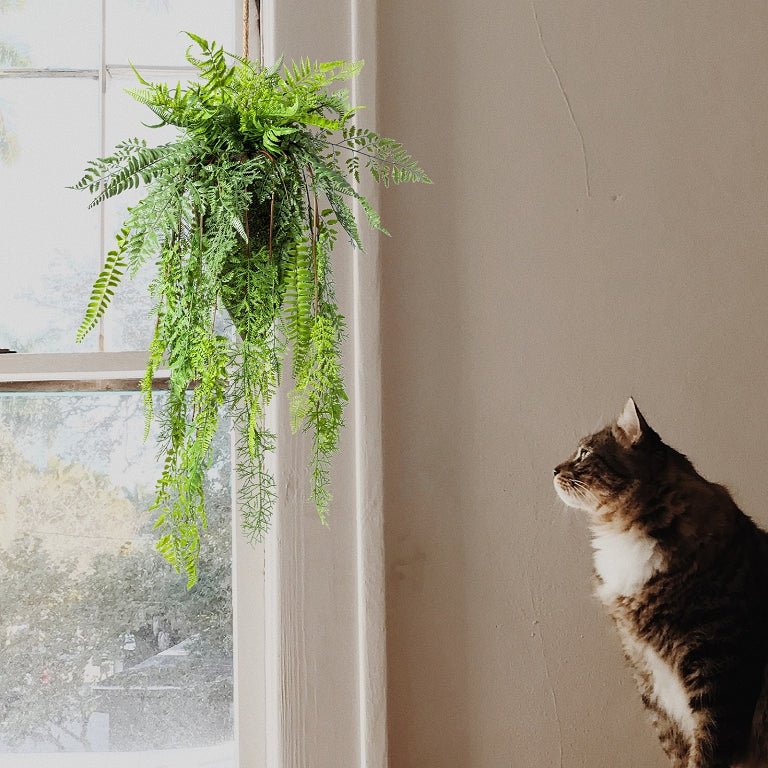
(240, 214)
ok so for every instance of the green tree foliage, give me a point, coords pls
(61, 616)
(59, 620)
(78, 573)
(56, 505)
(240, 214)
(36, 657)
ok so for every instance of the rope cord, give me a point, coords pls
(246, 25)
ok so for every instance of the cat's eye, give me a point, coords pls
(582, 454)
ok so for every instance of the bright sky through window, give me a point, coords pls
(62, 102)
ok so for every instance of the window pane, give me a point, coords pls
(103, 647)
(49, 248)
(127, 325)
(49, 130)
(38, 34)
(151, 31)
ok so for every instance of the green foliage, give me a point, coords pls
(103, 288)
(75, 583)
(241, 214)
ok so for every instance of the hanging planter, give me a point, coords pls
(240, 214)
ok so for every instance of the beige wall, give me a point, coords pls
(598, 228)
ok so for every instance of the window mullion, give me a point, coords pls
(102, 145)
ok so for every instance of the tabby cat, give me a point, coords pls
(683, 573)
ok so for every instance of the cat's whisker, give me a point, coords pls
(584, 491)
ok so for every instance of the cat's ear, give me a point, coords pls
(631, 426)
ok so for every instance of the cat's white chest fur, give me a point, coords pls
(625, 561)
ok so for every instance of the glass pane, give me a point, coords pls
(151, 31)
(127, 325)
(104, 649)
(36, 33)
(49, 248)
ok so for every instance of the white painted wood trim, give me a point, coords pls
(368, 433)
(75, 365)
(323, 612)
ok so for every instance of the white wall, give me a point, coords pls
(597, 228)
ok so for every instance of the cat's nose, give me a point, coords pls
(556, 471)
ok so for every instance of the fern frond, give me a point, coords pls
(130, 165)
(299, 298)
(386, 159)
(104, 287)
(317, 402)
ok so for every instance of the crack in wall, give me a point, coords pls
(567, 101)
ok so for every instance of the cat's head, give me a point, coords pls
(611, 466)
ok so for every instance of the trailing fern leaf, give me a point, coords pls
(103, 288)
(239, 216)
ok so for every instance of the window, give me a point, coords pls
(102, 648)
(310, 678)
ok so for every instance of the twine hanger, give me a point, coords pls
(247, 24)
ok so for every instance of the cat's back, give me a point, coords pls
(696, 560)
(711, 548)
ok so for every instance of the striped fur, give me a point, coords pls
(683, 573)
